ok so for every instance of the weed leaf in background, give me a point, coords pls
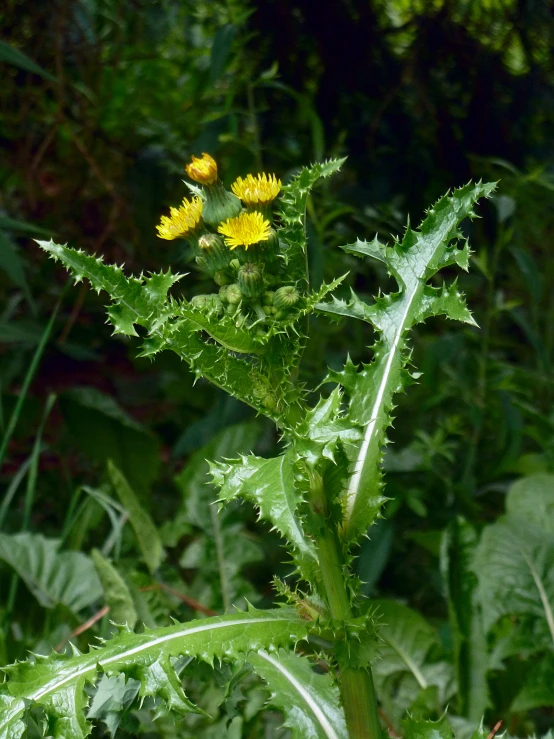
(145, 530)
(470, 647)
(53, 577)
(116, 593)
(407, 669)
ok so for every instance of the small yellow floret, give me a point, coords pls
(245, 230)
(182, 221)
(202, 169)
(258, 190)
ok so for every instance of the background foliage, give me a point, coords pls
(104, 502)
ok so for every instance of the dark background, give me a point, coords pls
(100, 111)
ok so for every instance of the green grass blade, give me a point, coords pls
(14, 418)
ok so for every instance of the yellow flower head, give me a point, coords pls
(182, 221)
(202, 169)
(245, 230)
(258, 190)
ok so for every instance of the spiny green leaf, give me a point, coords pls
(52, 577)
(269, 485)
(11, 711)
(136, 300)
(114, 696)
(427, 729)
(412, 262)
(224, 330)
(323, 427)
(309, 701)
(292, 211)
(57, 682)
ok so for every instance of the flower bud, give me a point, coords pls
(286, 297)
(223, 277)
(251, 280)
(233, 294)
(202, 169)
(207, 304)
(214, 252)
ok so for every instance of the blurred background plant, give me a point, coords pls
(103, 501)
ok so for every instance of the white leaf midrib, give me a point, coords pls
(88, 668)
(314, 707)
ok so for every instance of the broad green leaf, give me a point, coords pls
(102, 430)
(309, 701)
(538, 689)
(412, 262)
(53, 577)
(269, 484)
(57, 682)
(532, 499)
(514, 564)
(146, 532)
(116, 592)
(470, 646)
(406, 671)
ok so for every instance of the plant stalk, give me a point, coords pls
(356, 684)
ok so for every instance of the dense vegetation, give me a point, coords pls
(105, 507)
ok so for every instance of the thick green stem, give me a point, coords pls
(356, 684)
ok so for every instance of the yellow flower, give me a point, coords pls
(203, 170)
(182, 221)
(259, 190)
(245, 230)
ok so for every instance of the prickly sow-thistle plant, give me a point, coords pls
(322, 492)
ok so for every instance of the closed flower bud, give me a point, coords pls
(202, 169)
(251, 280)
(233, 294)
(216, 255)
(223, 277)
(209, 304)
(286, 297)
